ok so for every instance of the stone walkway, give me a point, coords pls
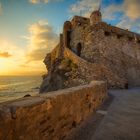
(121, 121)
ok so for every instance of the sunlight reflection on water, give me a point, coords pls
(13, 87)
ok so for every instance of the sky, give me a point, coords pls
(29, 29)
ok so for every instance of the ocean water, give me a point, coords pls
(13, 87)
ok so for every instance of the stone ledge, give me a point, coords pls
(52, 115)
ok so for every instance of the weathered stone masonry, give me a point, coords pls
(110, 53)
(50, 116)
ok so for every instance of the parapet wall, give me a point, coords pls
(117, 50)
(78, 20)
(50, 116)
(94, 71)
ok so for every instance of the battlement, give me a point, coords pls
(78, 20)
(111, 30)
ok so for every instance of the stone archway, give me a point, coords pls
(78, 49)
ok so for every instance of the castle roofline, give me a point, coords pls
(117, 30)
(126, 31)
(79, 20)
(79, 17)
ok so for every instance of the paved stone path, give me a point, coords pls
(121, 121)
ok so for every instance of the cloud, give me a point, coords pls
(131, 24)
(8, 48)
(42, 40)
(110, 11)
(126, 13)
(38, 1)
(5, 54)
(43, 1)
(15, 65)
(11, 56)
(28, 59)
(131, 8)
(84, 7)
(130, 18)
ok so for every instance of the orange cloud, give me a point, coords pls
(84, 7)
(43, 1)
(42, 40)
(5, 54)
(38, 1)
(132, 8)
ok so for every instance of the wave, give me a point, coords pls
(17, 87)
(14, 84)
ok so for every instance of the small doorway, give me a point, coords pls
(78, 49)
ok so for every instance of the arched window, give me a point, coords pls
(68, 39)
(130, 38)
(107, 33)
(119, 36)
(78, 49)
(138, 41)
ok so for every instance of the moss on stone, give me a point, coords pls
(68, 63)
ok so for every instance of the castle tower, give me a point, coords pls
(96, 16)
(66, 34)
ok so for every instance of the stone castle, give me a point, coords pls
(90, 49)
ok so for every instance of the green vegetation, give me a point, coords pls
(68, 63)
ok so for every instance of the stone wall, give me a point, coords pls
(106, 53)
(87, 71)
(78, 20)
(116, 49)
(95, 17)
(66, 34)
(50, 116)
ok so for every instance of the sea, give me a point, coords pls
(14, 87)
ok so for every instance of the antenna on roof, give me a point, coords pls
(100, 5)
(135, 38)
(80, 12)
